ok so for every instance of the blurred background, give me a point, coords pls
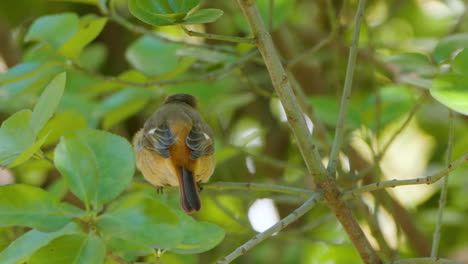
(253, 140)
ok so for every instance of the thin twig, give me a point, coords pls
(218, 37)
(443, 193)
(394, 183)
(340, 126)
(260, 188)
(304, 208)
(424, 261)
(211, 76)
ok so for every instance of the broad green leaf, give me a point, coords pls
(203, 16)
(326, 108)
(26, 155)
(97, 165)
(141, 220)
(123, 246)
(448, 45)
(48, 102)
(181, 6)
(25, 205)
(198, 236)
(452, 91)
(153, 12)
(152, 56)
(73, 249)
(460, 63)
(54, 29)
(61, 124)
(412, 63)
(16, 136)
(91, 2)
(27, 244)
(90, 27)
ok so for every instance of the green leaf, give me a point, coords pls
(48, 102)
(54, 29)
(152, 56)
(76, 249)
(61, 124)
(153, 12)
(452, 91)
(460, 63)
(25, 205)
(26, 155)
(181, 6)
(141, 220)
(412, 62)
(203, 16)
(27, 244)
(16, 136)
(448, 45)
(97, 165)
(90, 27)
(198, 236)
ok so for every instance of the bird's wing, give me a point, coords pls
(200, 141)
(159, 139)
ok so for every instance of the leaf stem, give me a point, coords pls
(218, 37)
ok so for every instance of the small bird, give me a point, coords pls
(176, 147)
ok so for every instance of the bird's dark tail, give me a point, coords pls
(189, 198)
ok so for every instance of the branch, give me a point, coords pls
(304, 208)
(340, 126)
(424, 261)
(298, 126)
(394, 183)
(443, 193)
(211, 76)
(259, 187)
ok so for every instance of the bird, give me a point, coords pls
(176, 147)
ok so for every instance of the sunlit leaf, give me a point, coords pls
(27, 244)
(452, 91)
(16, 136)
(97, 165)
(142, 220)
(460, 63)
(48, 102)
(203, 16)
(448, 45)
(89, 29)
(75, 248)
(54, 29)
(25, 205)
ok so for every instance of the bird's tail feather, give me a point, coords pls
(189, 198)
